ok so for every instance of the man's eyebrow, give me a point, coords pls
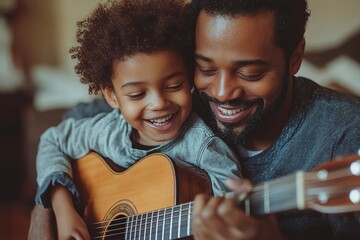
(250, 62)
(237, 63)
(202, 57)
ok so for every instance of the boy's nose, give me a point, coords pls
(158, 102)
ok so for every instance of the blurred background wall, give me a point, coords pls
(38, 84)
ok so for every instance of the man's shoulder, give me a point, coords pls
(327, 103)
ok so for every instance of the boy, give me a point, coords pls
(137, 53)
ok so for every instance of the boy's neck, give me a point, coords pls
(137, 145)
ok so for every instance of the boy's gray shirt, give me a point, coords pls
(109, 135)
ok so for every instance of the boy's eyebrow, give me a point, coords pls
(128, 84)
(174, 75)
(237, 63)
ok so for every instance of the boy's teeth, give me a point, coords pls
(160, 121)
(230, 111)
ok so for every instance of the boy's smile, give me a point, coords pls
(153, 93)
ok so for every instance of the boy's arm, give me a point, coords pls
(72, 139)
(220, 162)
(68, 221)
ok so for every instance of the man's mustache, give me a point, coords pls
(232, 103)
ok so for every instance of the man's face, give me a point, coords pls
(240, 72)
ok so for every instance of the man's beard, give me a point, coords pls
(255, 122)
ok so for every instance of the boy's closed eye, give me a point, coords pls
(136, 96)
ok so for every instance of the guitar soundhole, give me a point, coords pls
(116, 229)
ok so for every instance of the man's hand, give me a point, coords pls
(220, 218)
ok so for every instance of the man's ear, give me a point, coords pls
(297, 57)
(110, 97)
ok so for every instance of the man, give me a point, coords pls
(247, 53)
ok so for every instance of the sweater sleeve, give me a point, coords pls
(220, 162)
(72, 139)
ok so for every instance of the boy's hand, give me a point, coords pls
(71, 226)
(69, 223)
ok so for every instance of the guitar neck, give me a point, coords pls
(282, 194)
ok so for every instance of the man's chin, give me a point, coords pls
(231, 133)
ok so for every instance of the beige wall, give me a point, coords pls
(68, 13)
(49, 26)
(331, 22)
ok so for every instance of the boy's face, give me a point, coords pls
(153, 93)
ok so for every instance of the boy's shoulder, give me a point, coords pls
(194, 123)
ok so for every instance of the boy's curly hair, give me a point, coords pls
(119, 29)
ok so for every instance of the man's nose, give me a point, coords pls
(226, 87)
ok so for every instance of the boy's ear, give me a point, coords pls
(110, 97)
(297, 57)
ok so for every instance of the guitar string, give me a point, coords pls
(256, 189)
(257, 194)
(137, 231)
(139, 223)
(137, 220)
(309, 175)
(159, 215)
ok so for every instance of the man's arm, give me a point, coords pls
(42, 224)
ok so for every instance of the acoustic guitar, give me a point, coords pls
(152, 199)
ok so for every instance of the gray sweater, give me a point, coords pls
(323, 125)
(109, 135)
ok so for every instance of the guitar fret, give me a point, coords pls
(171, 221)
(136, 226)
(157, 224)
(145, 225)
(188, 220)
(266, 198)
(151, 224)
(300, 194)
(140, 225)
(247, 206)
(179, 225)
(131, 228)
(127, 228)
(163, 227)
(174, 222)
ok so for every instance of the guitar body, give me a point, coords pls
(155, 182)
